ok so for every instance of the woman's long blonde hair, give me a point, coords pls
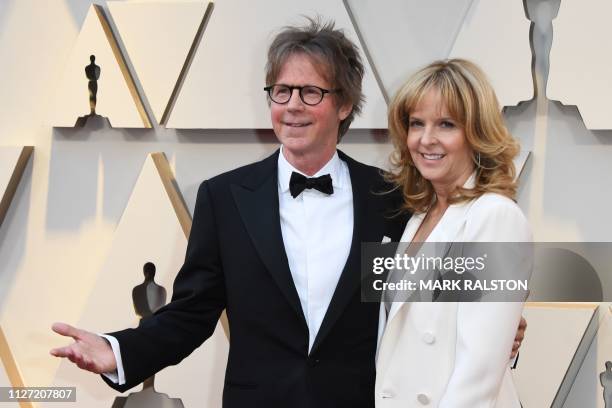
(471, 101)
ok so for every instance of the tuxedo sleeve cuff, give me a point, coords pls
(118, 376)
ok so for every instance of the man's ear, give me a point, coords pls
(345, 111)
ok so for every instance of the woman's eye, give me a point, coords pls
(447, 124)
(415, 123)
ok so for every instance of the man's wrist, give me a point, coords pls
(118, 376)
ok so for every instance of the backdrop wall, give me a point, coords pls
(59, 229)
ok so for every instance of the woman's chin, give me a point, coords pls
(430, 174)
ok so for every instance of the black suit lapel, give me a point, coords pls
(257, 201)
(351, 274)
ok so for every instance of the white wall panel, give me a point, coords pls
(498, 28)
(587, 390)
(554, 333)
(580, 60)
(224, 86)
(405, 35)
(157, 36)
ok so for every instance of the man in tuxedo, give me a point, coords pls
(277, 244)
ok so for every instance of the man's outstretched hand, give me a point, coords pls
(89, 351)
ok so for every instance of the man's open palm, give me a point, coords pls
(89, 351)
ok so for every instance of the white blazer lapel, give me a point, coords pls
(411, 228)
(449, 229)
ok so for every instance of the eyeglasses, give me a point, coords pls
(309, 94)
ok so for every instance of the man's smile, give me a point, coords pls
(296, 124)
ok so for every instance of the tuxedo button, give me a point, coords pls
(313, 362)
(428, 338)
(423, 399)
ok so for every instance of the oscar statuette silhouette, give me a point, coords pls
(605, 378)
(92, 72)
(148, 297)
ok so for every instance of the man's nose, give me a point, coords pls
(295, 102)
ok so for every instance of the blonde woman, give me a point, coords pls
(453, 158)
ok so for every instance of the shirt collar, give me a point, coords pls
(335, 167)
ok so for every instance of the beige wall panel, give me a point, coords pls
(157, 36)
(117, 98)
(498, 28)
(555, 331)
(224, 85)
(150, 230)
(580, 60)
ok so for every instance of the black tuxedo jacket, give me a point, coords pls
(236, 261)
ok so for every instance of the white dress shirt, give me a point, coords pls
(317, 233)
(118, 377)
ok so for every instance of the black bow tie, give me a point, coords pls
(299, 183)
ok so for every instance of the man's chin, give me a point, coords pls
(294, 150)
(294, 143)
(297, 132)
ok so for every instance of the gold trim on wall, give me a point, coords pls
(519, 172)
(10, 365)
(20, 166)
(366, 52)
(127, 75)
(188, 60)
(176, 198)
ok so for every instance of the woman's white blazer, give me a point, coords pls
(454, 354)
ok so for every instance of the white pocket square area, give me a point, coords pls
(385, 240)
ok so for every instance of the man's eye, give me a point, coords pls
(310, 91)
(281, 91)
